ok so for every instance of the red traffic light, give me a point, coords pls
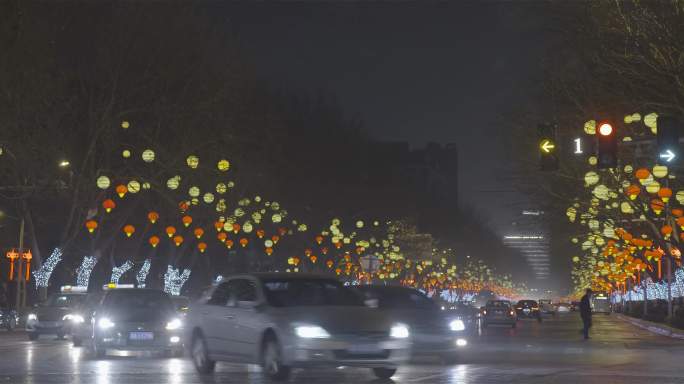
(606, 129)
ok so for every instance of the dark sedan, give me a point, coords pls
(528, 309)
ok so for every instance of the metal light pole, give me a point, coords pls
(21, 283)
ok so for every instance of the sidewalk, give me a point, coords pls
(657, 328)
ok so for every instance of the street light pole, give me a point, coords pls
(21, 284)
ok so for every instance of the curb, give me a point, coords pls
(658, 329)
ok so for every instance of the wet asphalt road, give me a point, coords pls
(550, 352)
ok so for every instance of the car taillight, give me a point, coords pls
(512, 313)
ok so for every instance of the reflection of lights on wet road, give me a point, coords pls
(174, 369)
(29, 359)
(459, 375)
(102, 371)
(75, 355)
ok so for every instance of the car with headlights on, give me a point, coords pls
(434, 332)
(52, 317)
(499, 312)
(9, 318)
(528, 309)
(128, 321)
(282, 321)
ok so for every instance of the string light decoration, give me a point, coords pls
(174, 280)
(141, 277)
(42, 275)
(117, 272)
(83, 272)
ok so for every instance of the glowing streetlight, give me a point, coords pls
(64, 163)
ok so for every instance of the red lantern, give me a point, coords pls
(198, 232)
(229, 243)
(236, 228)
(218, 225)
(154, 240)
(108, 205)
(260, 233)
(183, 206)
(121, 190)
(222, 236)
(187, 220)
(329, 263)
(269, 251)
(244, 242)
(91, 225)
(178, 240)
(153, 217)
(275, 239)
(202, 247)
(319, 239)
(129, 230)
(170, 231)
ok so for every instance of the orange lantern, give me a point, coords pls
(308, 252)
(633, 191)
(329, 263)
(295, 260)
(229, 243)
(222, 236)
(121, 190)
(666, 230)
(282, 231)
(183, 206)
(338, 270)
(657, 206)
(170, 231)
(275, 239)
(677, 212)
(187, 220)
(313, 258)
(129, 230)
(12, 254)
(642, 173)
(108, 205)
(260, 233)
(218, 225)
(244, 242)
(91, 225)
(154, 241)
(202, 247)
(665, 194)
(198, 232)
(319, 239)
(324, 250)
(236, 228)
(178, 240)
(680, 222)
(153, 217)
(338, 245)
(269, 251)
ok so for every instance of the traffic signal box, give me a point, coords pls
(548, 151)
(607, 145)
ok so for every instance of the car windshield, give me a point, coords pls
(527, 303)
(138, 305)
(309, 292)
(64, 300)
(498, 304)
(400, 298)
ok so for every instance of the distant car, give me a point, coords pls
(466, 312)
(600, 303)
(434, 332)
(182, 304)
(53, 316)
(574, 306)
(546, 307)
(528, 309)
(129, 322)
(283, 320)
(563, 307)
(9, 318)
(499, 312)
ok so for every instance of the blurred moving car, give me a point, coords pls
(563, 307)
(499, 312)
(600, 303)
(128, 321)
(282, 321)
(528, 309)
(182, 304)
(574, 306)
(466, 312)
(9, 318)
(53, 317)
(546, 307)
(434, 332)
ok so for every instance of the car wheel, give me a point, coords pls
(33, 336)
(77, 341)
(200, 356)
(273, 361)
(384, 373)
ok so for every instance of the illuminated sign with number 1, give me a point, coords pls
(578, 146)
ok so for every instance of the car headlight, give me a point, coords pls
(399, 331)
(457, 325)
(32, 316)
(73, 318)
(173, 325)
(311, 332)
(105, 323)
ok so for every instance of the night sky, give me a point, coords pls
(413, 72)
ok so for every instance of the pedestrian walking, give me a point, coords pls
(585, 312)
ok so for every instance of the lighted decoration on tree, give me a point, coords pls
(170, 231)
(108, 205)
(141, 276)
(198, 232)
(42, 275)
(148, 155)
(117, 272)
(129, 230)
(202, 246)
(187, 220)
(178, 240)
(103, 182)
(192, 161)
(153, 216)
(84, 270)
(223, 165)
(91, 225)
(174, 280)
(154, 241)
(121, 190)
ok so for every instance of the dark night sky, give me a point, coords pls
(412, 71)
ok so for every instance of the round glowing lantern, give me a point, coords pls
(187, 220)
(178, 240)
(198, 232)
(269, 251)
(244, 242)
(103, 182)
(183, 206)
(223, 165)
(236, 228)
(680, 222)
(307, 251)
(222, 236)
(275, 239)
(269, 243)
(170, 231)
(680, 197)
(154, 241)
(665, 194)
(125, 124)
(108, 205)
(642, 173)
(202, 246)
(260, 233)
(653, 187)
(324, 250)
(153, 216)
(129, 230)
(126, 153)
(666, 230)
(148, 155)
(229, 243)
(657, 206)
(660, 171)
(173, 183)
(218, 225)
(208, 198)
(221, 188)
(133, 186)
(329, 263)
(247, 227)
(121, 190)
(677, 212)
(633, 191)
(91, 225)
(192, 161)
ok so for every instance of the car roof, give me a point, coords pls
(282, 275)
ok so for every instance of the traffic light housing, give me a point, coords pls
(668, 139)
(607, 145)
(548, 155)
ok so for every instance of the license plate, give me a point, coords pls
(141, 336)
(364, 348)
